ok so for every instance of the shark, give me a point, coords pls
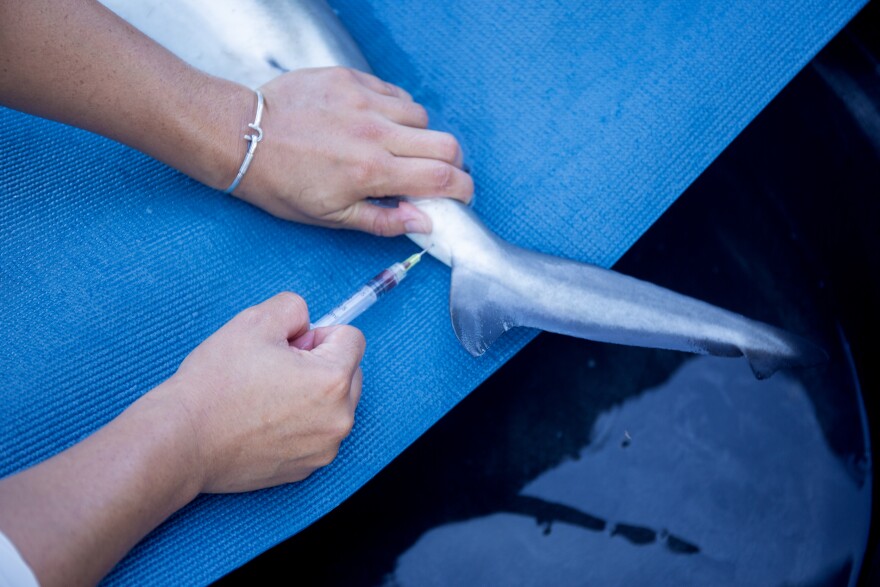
(495, 285)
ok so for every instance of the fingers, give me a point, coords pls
(425, 144)
(305, 342)
(344, 344)
(411, 176)
(381, 87)
(393, 102)
(404, 112)
(424, 163)
(282, 317)
(404, 219)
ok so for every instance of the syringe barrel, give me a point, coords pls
(365, 297)
(350, 309)
(385, 281)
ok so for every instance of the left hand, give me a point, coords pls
(335, 136)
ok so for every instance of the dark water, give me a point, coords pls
(581, 463)
(710, 478)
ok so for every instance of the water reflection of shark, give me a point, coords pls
(546, 513)
(733, 473)
(495, 286)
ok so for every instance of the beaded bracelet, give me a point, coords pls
(253, 139)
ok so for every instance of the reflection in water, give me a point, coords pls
(732, 471)
(547, 512)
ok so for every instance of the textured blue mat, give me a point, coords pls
(582, 121)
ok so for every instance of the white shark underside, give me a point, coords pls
(495, 285)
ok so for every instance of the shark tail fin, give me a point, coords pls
(480, 313)
(586, 301)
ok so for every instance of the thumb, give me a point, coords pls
(388, 221)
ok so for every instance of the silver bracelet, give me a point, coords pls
(253, 139)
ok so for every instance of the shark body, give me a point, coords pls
(496, 286)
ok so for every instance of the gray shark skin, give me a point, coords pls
(496, 286)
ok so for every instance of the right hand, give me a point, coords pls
(268, 400)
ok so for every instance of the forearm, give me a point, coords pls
(76, 62)
(75, 515)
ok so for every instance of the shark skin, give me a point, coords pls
(496, 286)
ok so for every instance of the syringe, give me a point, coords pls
(366, 296)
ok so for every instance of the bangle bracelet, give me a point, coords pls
(253, 140)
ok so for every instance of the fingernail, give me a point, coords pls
(420, 225)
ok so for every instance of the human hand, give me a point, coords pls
(335, 136)
(268, 400)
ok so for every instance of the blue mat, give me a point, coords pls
(582, 122)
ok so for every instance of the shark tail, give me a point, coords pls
(582, 300)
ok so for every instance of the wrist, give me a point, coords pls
(173, 441)
(214, 120)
